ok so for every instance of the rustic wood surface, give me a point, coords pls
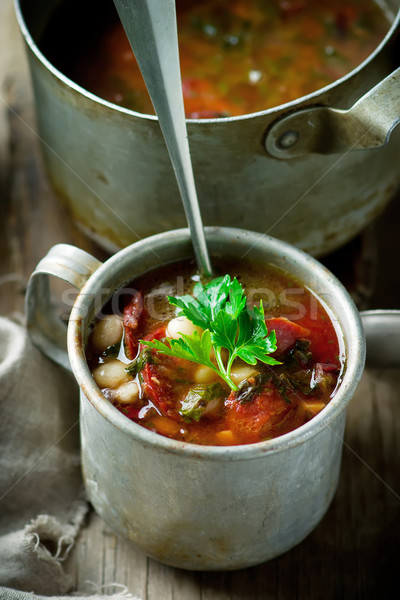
(354, 552)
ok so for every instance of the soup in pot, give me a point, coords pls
(237, 56)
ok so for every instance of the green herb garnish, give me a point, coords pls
(138, 364)
(198, 398)
(248, 389)
(301, 381)
(112, 351)
(219, 307)
(300, 353)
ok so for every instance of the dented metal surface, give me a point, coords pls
(205, 507)
(196, 513)
(113, 171)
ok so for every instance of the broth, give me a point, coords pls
(237, 56)
(189, 402)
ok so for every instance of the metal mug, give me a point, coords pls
(187, 505)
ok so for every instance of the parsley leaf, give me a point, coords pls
(219, 308)
(190, 308)
(138, 364)
(197, 399)
(190, 347)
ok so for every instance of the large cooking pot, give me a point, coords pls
(313, 172)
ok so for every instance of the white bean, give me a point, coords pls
(241, 372)
(107, 332)
(213, 408)
(204, 374)
(127, 393)
(110, 374)
(180, 325)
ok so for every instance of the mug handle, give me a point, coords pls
(45, 328)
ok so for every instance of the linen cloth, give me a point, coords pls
(42, 504)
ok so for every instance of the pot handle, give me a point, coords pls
(324, 130)
(45, 327)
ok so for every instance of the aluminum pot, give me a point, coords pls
(193, 506)
(111, 167)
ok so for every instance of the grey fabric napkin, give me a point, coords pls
(41, 493)
(42, 504)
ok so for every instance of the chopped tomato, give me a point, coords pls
(132, 412)
(256, 418)
(159, 387)
(132, 317)
(156, 334)
(165, 378)
(287, 332)
(199, 93)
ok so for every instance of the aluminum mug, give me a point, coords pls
(187, 505)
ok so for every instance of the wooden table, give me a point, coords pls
(354, 552)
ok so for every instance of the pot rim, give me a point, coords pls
(296, 260)
(269, 111)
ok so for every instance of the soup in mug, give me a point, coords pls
(233, 360)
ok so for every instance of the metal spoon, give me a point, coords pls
(150, 26)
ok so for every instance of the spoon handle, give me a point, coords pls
(150, 26)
